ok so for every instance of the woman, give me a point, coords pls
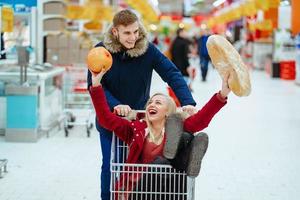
(146, 138)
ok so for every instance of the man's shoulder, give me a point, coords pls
(152, 49)
(100, 44)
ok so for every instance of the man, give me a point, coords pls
(180, 51)
(127, 83)
(203, 54)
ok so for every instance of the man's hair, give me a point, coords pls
(125, 18)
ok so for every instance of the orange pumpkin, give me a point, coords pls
(99, 58)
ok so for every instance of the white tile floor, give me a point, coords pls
(253, 151)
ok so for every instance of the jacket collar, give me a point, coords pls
(114, 46)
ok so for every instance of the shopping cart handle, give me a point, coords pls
(135, 115)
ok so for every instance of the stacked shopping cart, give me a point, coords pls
(77, 104)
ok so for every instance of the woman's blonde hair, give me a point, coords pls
(171, 108)
(170, 103)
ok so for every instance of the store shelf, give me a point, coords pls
(45, 26)
(61, 1)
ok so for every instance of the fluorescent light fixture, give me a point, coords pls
(218, 2)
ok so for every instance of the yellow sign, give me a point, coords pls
(7, 19)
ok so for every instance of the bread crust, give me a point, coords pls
(227, 60)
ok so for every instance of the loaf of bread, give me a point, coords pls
(226, 59)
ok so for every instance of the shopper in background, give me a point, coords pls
(203, 53)
(127, 83)
(180, 50)
(2, 54)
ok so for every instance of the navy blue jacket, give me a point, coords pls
(129, 79)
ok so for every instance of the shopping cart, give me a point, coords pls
(77, 106)
(146, 181)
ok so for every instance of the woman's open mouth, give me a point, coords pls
(152, 111)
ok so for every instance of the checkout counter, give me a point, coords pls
(32, 108)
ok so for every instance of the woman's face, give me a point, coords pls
(157, 108)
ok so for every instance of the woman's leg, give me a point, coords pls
(204, 67)
(190, 153)
(198, 148)
(174, 130)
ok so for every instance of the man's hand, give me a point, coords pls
(189, 109)
(96, 78)
(122, 110)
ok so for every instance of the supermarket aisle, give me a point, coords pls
(254, 145)
(253, 151)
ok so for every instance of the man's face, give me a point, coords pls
(127, 35)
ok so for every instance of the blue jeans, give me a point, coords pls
(105, 141)
(204, 67)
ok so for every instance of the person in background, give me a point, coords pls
(2, 54)
(127, 83)
(203, 53)
(180, 50)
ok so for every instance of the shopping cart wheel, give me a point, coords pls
(66, 132)
(70, 118)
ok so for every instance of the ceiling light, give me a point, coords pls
(181, 25)
(203, 26)
(153, 27)
(218, 2)
(154, 2)
(284, 3)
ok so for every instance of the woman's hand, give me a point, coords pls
(97, 77)
(225, 88)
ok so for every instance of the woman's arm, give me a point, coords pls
(106, 118)
(202, 118)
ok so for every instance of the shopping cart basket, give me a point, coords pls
(77, 106)
(146, 181)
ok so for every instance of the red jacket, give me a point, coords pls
(133, 133)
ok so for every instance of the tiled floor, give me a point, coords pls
(253, 151)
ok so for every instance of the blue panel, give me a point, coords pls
(22, 112)
(28, 3)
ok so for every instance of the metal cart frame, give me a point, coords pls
(146, 181)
